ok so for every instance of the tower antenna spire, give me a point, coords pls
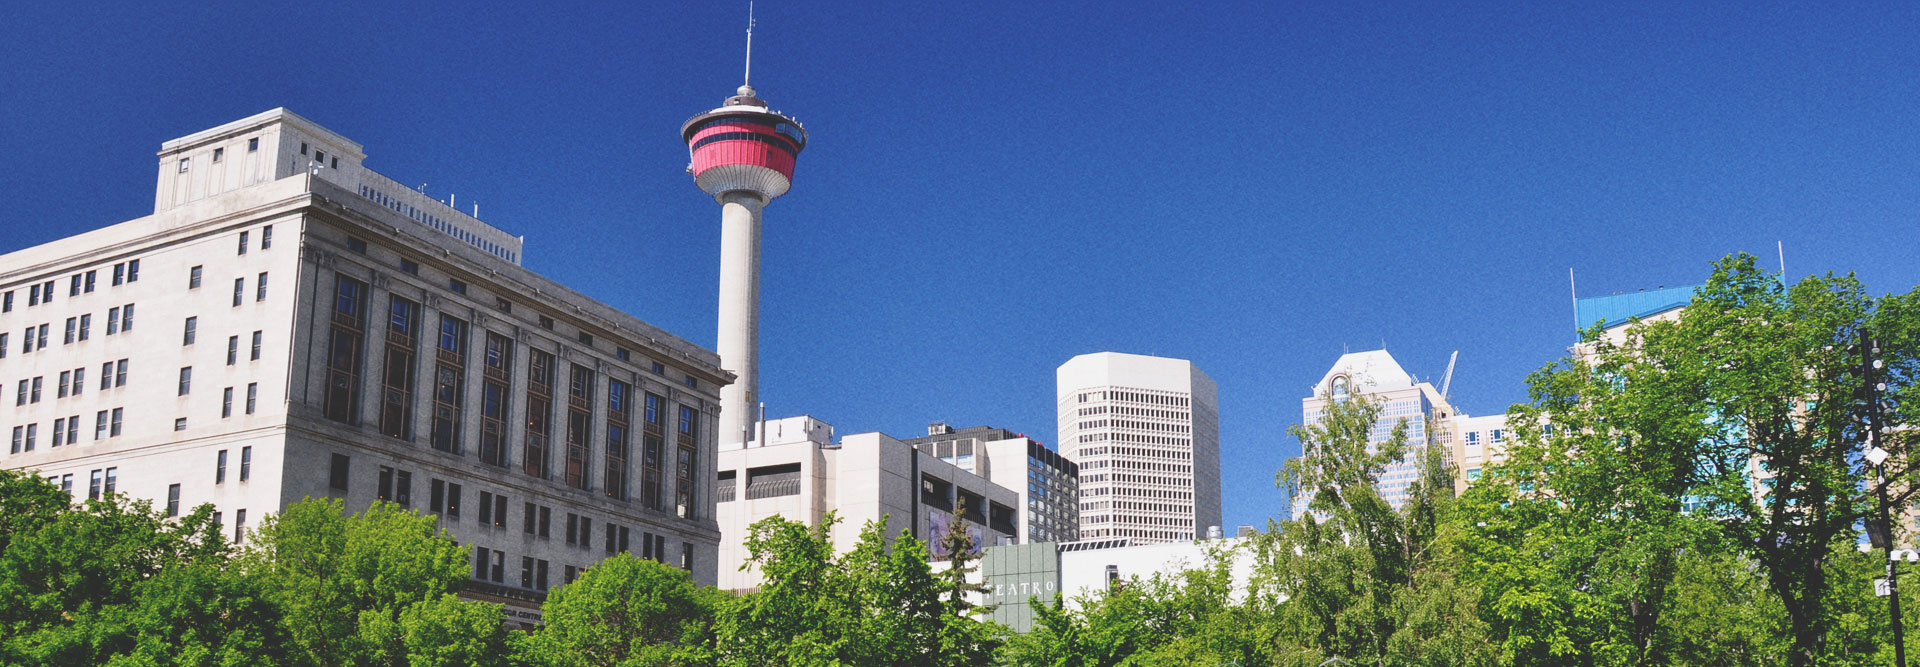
(747, 80)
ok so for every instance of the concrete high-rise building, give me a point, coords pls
(1047, 483)
(290, 324)
(1145, 432)
(743, 154)
(800, 473)
(1376, 375)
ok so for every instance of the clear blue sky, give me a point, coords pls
(992, 188)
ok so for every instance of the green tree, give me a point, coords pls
(626, 612)
(88, 586)
(344, 585)
(449, 632)
(1366, 582)
(963, 639)
(1752, 377)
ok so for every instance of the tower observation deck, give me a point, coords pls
(743, 154)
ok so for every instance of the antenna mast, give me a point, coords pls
(748, 79)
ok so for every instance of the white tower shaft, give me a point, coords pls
(739, 339)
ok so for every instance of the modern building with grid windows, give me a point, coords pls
(1376, 375)
(376, 344)
(1145, 432)
(1048, 484)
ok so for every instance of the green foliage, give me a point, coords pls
(626, 612)
(874, 605)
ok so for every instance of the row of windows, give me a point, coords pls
(79, 283)
(66, 431)
(450, 373)
(253, 146)
(79, 329)
(438, 223)
(1134, 397)
(72, 382)
(101, 482)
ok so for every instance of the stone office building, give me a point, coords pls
(289, 324)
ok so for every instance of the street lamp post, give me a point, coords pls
(1872, 386)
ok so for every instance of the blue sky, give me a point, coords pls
(992, 188)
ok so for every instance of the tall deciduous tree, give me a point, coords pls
(626, 612)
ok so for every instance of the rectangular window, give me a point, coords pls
(173, 500)
(396, 401)
(120, 373)
(19, 438)
(526, 517)
(73, 326)
(36, 389)
(449, 386)
(180, 424)
(73, 429)
(526, 572)
(187, 337)
(686, 556)
(113, 429)
(266, 237)
(41, 338)
(499, 511)
(546, 520)
(193, 278)
(113, 480)
(343, 350)
(384, 490)
(3, 346)
(540, 574)
(653, 453)
(617, 447)
(79, 380)
(73, 286)
(356, 245)
(233, 349)
(93, 484)
(486, 508)
(218, 153)
(579, 424)
(246, 463)
(126, 317)
(6, 302)
(226, 403)
(409, 267)
(254, 353)
(453, 500)
(86, 327)
(494, 391)
(90, 281)
(253, 144)
(186, 380)
(436, 496)
(457, 286)
(59, 431)
(253, 395)
(220, 467)
(539, 412)
(239, 290)
(260, 287)
(239, 526)
(133, 271)
(243, 243)
(100, 425)
(65, 378)
(119, 274)
(337, 474)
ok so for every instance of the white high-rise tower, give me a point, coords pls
(1145, 432)
(742, 154)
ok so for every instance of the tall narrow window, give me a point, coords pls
(220, 467)
(685, 463)
(495, 384)
(266, 237)
(113, 322)
(239, 290)
(246, 463)
(187, 336)
(73, 326)
(113, 480)
(233, 349)
(652, 453)
(539, 411)
(260, 287)
(396, 397)
(86, 327)
(119, 274)
(73, 286)
(254, 353)
(186, 380)
(173, 500)
(243, 243)
(449, 385)
(253, 395)
(126, 317)
(619, 412)
(133, 270)
(579, 424)
(226, 403)
(193, 278)
(348, 330)
(65, 378)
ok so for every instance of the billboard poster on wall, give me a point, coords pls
(938, 522)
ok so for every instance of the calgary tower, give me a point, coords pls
(743, 154)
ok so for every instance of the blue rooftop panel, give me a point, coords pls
(1617, 309)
